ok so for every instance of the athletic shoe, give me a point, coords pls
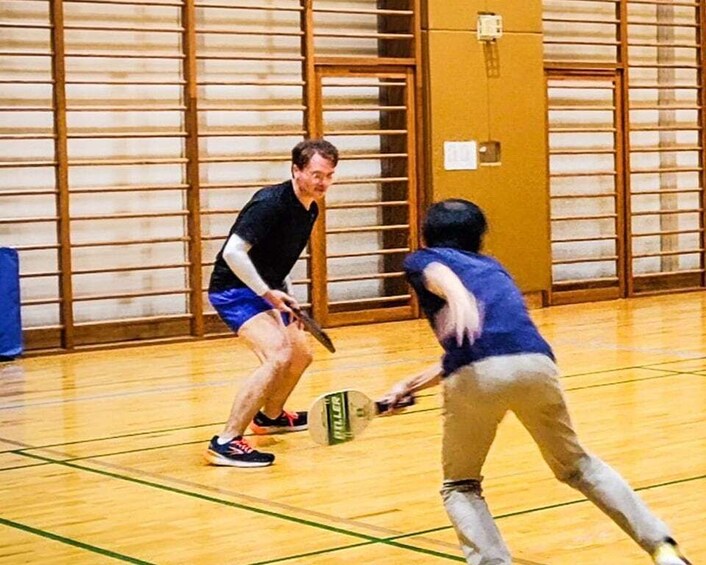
(285, 422)
(237, 453)
(667, 553)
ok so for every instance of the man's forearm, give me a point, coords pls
(426, 379)
(235, 254)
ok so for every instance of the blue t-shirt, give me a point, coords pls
(506, 327)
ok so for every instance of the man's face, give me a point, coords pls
(315, 178)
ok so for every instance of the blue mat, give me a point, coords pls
(10, 318)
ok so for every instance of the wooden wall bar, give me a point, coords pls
(653, 52)
(162, 118)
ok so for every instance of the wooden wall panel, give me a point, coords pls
(457, 108)
(452, 15)
(516, 198)
(518, 17)
(493, 91)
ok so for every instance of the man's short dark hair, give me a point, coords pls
(455, 223)
(305, 150)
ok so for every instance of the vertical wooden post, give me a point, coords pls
(424, 191)
(622, 231)
(62, 173)
(193, 180)
(310, 95)
(420, 192)
(412, 167)
(622, 142)
(667, 118)
(313, 124)
(701, 97)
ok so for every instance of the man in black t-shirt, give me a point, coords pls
(251, 291)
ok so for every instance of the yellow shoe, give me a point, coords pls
(667, 553)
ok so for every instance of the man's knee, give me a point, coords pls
(478, 535)
(298, 352)
(280, 356)
(304, 356)
(573, 473)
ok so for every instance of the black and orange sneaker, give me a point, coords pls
(236, 453)
(285, 422)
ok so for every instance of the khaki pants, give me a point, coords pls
(476, 399)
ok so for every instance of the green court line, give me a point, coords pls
(371, 539)
(149, 432)
(392, 540)
(702, 357)
(23, 450)
(599, 385)
(448, 527)
(119, 436)
(73, 542)
(582, 500)
(126, 452)
(651, 366)
(549, 507)
(617, 369)
(675, 371)
(312, 553)
(261, 511)
(386, 541)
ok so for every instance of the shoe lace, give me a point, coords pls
(243, 445)
(291, 416)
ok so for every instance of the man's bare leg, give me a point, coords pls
(300, 359)
(266, 335)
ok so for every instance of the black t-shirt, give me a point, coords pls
(278, 227)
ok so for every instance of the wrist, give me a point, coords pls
(263, 290)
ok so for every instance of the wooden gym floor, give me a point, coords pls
(101, 452)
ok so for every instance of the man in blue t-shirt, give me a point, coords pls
(495, 360)
(250, 289)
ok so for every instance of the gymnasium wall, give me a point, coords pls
(477, 91)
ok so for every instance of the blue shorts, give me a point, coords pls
(236, 306)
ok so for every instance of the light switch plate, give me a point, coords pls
(489, 152)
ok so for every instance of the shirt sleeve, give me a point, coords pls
(256, 220)
(414, 265)
(416, 262)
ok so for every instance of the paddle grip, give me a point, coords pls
(404, 402)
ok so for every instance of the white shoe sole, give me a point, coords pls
(217, 459)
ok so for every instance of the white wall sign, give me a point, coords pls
(460, 155)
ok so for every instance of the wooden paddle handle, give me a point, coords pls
(403, 403)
